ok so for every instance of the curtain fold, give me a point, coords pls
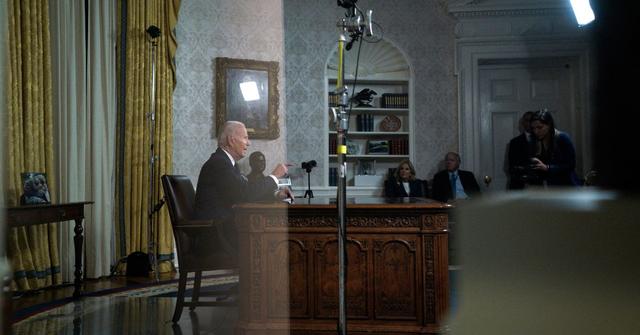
(69, 70)
(135, 173)
(84, 106)
(102, 99)
(34, 250)
(5, 270)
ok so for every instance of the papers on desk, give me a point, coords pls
(284, 182)
(288, 200)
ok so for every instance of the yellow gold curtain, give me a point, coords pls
(34, 250)
(134, 167)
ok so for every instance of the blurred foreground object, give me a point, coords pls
(560, 262)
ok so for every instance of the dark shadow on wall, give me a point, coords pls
(616, 137)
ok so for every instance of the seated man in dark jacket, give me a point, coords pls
(452, 183)
(220, 184)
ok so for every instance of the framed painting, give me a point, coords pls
(247, 91)
(35, 189)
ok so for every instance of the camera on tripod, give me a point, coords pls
(308, 166)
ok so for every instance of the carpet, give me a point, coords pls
(167, 288)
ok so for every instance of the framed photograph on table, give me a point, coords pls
(247, 91)
(378, 147)
(35, 189)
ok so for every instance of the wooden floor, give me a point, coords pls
(118, 315)
(105, 315)
(90, 285)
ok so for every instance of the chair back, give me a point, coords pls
(195, 242)
(180, 197)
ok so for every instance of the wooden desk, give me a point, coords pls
(39, 214)
(397, 275)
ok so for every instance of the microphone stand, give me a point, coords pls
(340, 117)
(152, 207)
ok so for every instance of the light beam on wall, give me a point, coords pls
(583, 12)
(249, 91)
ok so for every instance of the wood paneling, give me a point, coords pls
(397, 279)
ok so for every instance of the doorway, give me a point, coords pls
(509, 87)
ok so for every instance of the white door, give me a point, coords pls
(507, 90)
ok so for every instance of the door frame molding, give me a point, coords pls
(469, 57)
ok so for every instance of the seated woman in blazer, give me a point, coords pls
(403, 182)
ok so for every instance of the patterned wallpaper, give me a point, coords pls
(247, 29)
(422, 30)
(300, 34)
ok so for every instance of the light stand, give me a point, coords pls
(353, 26)
(153, 32)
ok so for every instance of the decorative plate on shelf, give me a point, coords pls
(390, 123)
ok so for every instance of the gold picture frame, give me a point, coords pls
(247, 91)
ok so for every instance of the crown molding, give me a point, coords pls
(501, 8)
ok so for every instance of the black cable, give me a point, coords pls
(353, 90)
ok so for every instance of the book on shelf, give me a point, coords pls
(399, 146)
(394, 100)
(334, 99)
(364, 122)
(332, 145)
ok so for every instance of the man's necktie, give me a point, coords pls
(454, 177)
(237, 168)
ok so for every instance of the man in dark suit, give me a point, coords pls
(519, 154)
(220, 184)
(452, 183)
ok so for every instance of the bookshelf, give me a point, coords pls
(380, 133)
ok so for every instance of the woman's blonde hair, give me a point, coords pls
(396, 173)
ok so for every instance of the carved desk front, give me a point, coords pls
(397, 273)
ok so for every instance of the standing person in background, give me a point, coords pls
(519, 154)
(452, 183)
(554, 154)
(403, 182)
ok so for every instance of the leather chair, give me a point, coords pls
(199, 243)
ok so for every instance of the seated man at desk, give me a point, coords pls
(452, 183)
(220, 184)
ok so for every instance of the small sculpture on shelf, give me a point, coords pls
(364, 97)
